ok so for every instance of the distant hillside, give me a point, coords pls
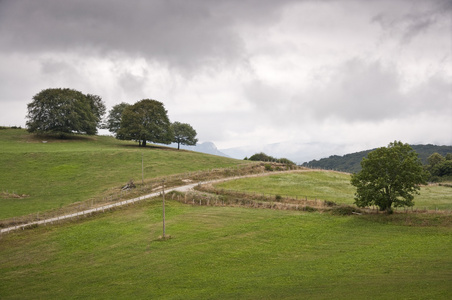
(351, 162)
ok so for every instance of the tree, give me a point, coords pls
(114, 117)
(389, 176)
(146, 120)
(435, 159)
(183, 134)
(64, 111)
(264, 157)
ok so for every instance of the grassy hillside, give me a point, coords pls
(331, 186)
(230, 253)
(41, 173)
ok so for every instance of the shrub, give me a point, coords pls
(344, 210)
(268, 167)
(309, 209)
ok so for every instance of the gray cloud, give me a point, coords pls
(422, 16)
(241, 71)
(182, 34)
(355, 91)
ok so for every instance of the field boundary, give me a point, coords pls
(103, 208)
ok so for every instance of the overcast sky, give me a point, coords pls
(244, 72)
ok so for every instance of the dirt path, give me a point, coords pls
(183, 188)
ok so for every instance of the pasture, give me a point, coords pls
(331, 186)
(41, 173)
(229, 253)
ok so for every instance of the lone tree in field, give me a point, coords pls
(64, 111)
(389, 176)
(146, 120)
(183, 134)
(114, 117)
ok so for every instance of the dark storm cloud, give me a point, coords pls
(186, 34)
(421, 17)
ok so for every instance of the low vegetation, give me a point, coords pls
(228, 253)
(330, 186)
(54, 173)
(220, 243)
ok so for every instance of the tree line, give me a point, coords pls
(64, 111)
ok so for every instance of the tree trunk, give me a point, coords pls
(178, 146)
(143, 143)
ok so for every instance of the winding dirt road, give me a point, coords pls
(183, 188)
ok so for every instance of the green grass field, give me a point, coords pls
(214, 252)
(331, 186)
(60, 172)
(228, 253)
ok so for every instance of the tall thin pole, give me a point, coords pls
(163, 193)
(142, 170)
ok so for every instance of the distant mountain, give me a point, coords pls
(298, 152)
(206, 147)
(352, 162)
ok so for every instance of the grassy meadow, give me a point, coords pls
(228, 253)
(331, 186)
(59, 172)
(215, 252)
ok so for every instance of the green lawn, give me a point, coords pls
(331, 186)
(227, 253)
(60, 172)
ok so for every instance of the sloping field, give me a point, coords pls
(330, 186)
(229, 253)
(41, 173)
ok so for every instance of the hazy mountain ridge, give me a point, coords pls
(352, 162)
(206, 147)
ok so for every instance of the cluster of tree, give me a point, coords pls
(147, 120)
(439, 167)
(351, 162)
(390, 176)
(66, 111)
(264, 157)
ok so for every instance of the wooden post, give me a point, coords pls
(163, 194)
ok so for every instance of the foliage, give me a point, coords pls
(64, 111)
(146, 120)
(440, 167)
(183, 134)
(264, 157)
(352, 162)
(389, 176)
(114, 117)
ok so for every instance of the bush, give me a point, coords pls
(268, 168)
(330, 203)
(344, 210)
(309, 209)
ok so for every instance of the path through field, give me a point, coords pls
(183, 188)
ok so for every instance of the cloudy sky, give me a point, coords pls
(349, 74)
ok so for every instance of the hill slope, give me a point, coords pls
(41, 173)
(351, 162)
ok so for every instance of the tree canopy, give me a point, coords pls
(114, 117)
(389, 176)
(183, 134)
(64, 111)
(264, 157)
(146, 120)
(440, 167)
